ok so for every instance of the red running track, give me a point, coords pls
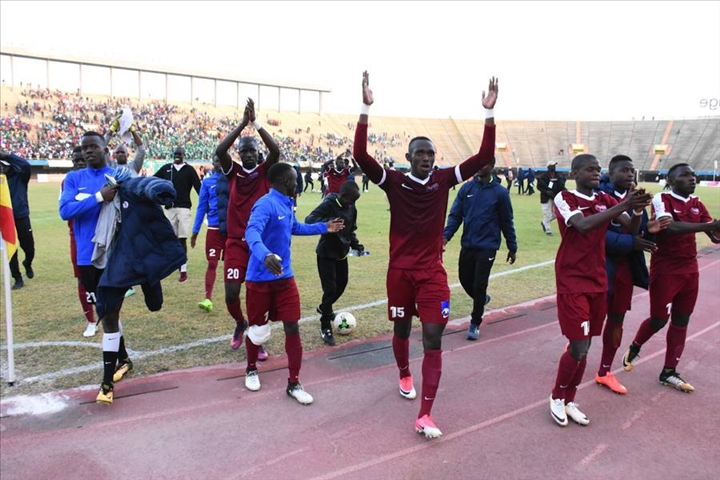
(492, 407)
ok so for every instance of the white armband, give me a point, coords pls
(365, 109)
(489, 113)
(257, 125)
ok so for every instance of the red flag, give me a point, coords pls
(7, 221)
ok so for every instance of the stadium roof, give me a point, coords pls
(151, 68)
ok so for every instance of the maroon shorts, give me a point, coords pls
(424, 293)
(237, 254)
(73, 256)
(670, 293)
(581, 315)
(214, 244)
(277, 300)
(621, 299)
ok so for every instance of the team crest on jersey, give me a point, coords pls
(695, 211)
(125, 204)
(600, 208)
(445, 308)
(433, 187)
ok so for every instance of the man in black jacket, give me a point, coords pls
(550, 183)
(184, 178)
(332, 251)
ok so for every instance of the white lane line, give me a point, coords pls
(207, 341)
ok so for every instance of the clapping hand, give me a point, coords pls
(250, 109)
(656, 226)
(642, 244)
(335, 225)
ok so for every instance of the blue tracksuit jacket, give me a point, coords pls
(270, 228)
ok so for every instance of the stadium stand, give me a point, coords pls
(44, 125)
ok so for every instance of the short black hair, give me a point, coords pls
(77, 149)
(95, 134)
(415, 139)
(246, 139)
(349, 187)
(581, 160)
(617, 159)
(674, 168)
(278, 172)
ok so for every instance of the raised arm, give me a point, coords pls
(273, 149)
(137, 162)
(485, 155)
(368, 164)
(222, 150)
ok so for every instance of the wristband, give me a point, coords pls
(98, 197)
(489, 113)
(638, 214)
(365, 109)
(257, 125)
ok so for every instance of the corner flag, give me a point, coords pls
(7, 221)
(8, 242)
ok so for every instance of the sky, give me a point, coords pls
(554, 60)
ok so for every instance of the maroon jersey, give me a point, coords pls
(336, 179)
(418, 207)
(677, 254)
(246, 186)
(580, 259)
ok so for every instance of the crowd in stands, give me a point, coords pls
(47, 124)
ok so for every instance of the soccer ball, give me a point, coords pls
(344, 323)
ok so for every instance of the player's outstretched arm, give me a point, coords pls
(273, 149)
(486, 154)
(635, 199)
(368, 164)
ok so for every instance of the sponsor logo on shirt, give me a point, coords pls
(600, 208)
(406, 186)
(433, 187)
(695, 211)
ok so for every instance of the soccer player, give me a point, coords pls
(550, 183)
(483, 205)
(416, 279)
(17, 170)
(83, 194)
(210, 203)
(337, 172)
(580, 274)
(674, 271)
(145, 250)
(248, 182)
(625, 264)
(120, 155)
(184, 178)
(272, 294)
(78, 161)
(332, 251)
